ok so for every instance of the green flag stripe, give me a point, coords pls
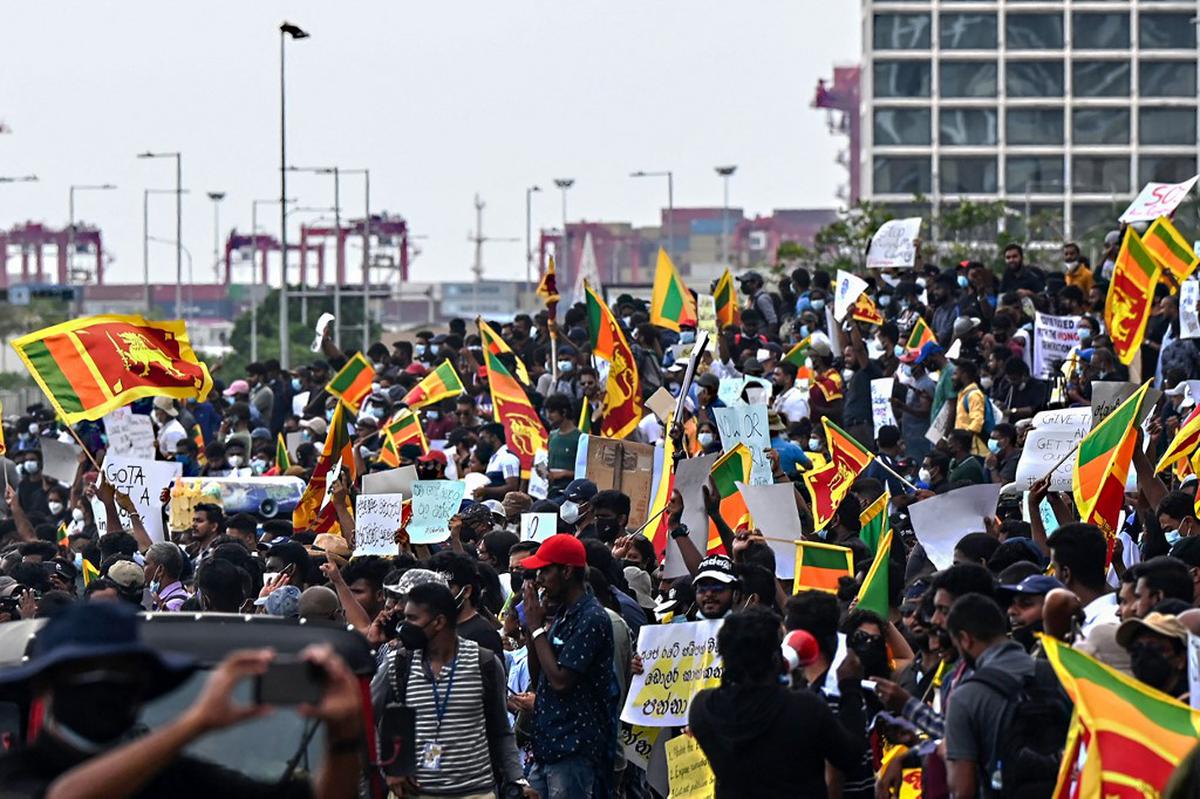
(1177, 248)
(1107, 436)
(595, 319)
(57, 383)
(871, 532)
(822, 558)
(726, 474)
(722, 298)
(1142, 258)
(1176, 719)
(347, 377)
(672, 306)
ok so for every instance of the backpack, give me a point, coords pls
(989, 415)
(778, 304)
(1031, 732)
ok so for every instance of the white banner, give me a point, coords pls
(130, 434)
(1189, 308)
(881, 402)
(849, 286)
(144, 482)
(678, 661)
(376, 520)
(1053, 339)
(1157, 199)
(892, 245)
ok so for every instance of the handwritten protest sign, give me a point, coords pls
(539, 478)
(1157, 199)
(747, 424)
(433, 503)
(892, 245)
(1189, 308)
(678, 661)
(392, 481)
(706, 314)
(849, 286)
(376, 519)
(538, 526)
(638, 741)
(1053, 339)
(1054, 434)
(1106, 396)
(129, 434)
(688, 772)
(143, 481)
(60, 460)
(881, 402)
(941, 520)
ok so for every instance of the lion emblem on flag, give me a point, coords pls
(1122, 315)
(139, 352)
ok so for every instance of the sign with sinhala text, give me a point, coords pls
(376, 520)
(678, 660)
(433, 503)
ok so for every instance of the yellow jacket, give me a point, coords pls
(969, 414)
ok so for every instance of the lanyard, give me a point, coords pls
(441, 704)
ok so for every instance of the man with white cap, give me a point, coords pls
(170, 431)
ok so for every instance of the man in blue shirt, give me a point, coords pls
(790, 454)
(575, 713)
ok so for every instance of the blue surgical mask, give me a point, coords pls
(432, 415)
(687, 336)
(885, 300)
(1085, 333)
(897, 350)
(419, 349)
(818, 305)
(565, 367)
(962, 281)
(804, 331)
(296, 384)
(814, 445)
(1173, 537)
(329, 415)
(993, 446)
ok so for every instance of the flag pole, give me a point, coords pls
(82, 446)
(893, 473)
(651, 519)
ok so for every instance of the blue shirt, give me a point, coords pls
(894, 486)
(582, 720)
(789, 455)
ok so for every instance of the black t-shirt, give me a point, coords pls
(481, 631)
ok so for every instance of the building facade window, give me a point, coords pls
(1101, 78)
(1034, 79)
(1100, 31)
(901, 31)
(1035, 174)
(1034, 125)
(1165, 168)
(901, 78)
(1100, 174)
(1167, 126)
(967, 126)
(967, 175)
(902, 126)
(902, 175)
(1100, 126)
(967, 31)
(1033, 31)
(968, 78)
(1167, 78)
(1163, 31)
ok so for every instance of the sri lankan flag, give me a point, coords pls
(60, 535)
(436, 386)
(874, 522)
(1135, 735)
(864, 310)
(1102, 464)
(1187, 438)
(523, 429)
(585, 416)
(623, 398)
(389, 453)
(726, 300)
(90, 572)
(819, 566)
(829, 484)
(1130, 296)
(671, 304)
(497, 346)
(656, 531)
(197, 439)
(1170, 249)
(730, 469)
(283, 461)
(338, 446)
(87, 367)
(353, 383)
(405, 428)
(874, 592)
(799, 352)
(921, 335)
(547, 289)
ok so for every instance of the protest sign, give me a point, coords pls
(538, 526)
(892, 245)
(293, 441)
(942, 424)
(849, 286)
(630, 467)
(1053, 339)
(678, 660)
(688, 772)
(433, 503)
(881, 402)
(1106, 396)
(1189, 312)
(299, 403)
(392, 481)
(143, 481)
(129, 434)
(662, 403)
(319, 330)
(539, 476)
(638, 742)
(1157, 199)
(1054, 435)
(773, 509)
(60, 460)
(376, 520)
(706, 315)
(691, 474)
(747, 424)
(940, 521)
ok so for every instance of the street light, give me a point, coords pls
(254, 274)
(178, 224)
(366, 173)
(565, 256)
(725, 172)
(71, 221)
(20, 179)
(337, 243)
(529, 235)
(216, 197)
(670, 176)
(286, 30)
(179, 248)
(146, 238)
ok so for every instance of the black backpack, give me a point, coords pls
(1032, 732)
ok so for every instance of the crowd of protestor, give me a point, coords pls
(517, 656)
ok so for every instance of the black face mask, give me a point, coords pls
(607, 530)
(1151, 667)
(517, 580)
(412, 636)
(872, 651)
(1027, 636)
(100, 711)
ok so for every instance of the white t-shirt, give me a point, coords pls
(170, 435)
(792, 404)
(1101, 610)
(504, 462)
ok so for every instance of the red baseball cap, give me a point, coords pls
(433, 455)
(558, 550)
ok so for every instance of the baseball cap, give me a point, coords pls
(709, 381)
(283, 601)
(237, 387)
(330, 543)
(821, 348)
(127, 574)
(414, 577)
(775, 422)
(317, 426)
(166, 405)
(746, 277)
(1034, 584)
(558, 550)
(919, 356)
(416, 369)
(1160, 623)
(581, 490)
(679, 598)
(716, 567)
(495, 507)
(639, 583)
(965, 324)
(433, 456)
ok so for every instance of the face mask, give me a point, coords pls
(565, 367)
(77, 514)
(434, 348)
(378, 412)
(627, 320)
(1151, 667)
(804, 331)
(432, 415)
(847, 374)
(814, 445)
(962, 281)
(897, 350)
(412, 636)
(235, 461)
(993, 446)
(818, 305)
(329, 415)
(306, 436)
(873, 654)
(687, 337)
(296, 384)
(705, 439)
(924, 476)
(885, 300)
(607, 530)
(569, 512)
(1172, 537)
(418, 349)
(985, 381)
(31, 467)
(55, 508)
(34, 429)
(258, 465)
(1085, 333)
(920, 282)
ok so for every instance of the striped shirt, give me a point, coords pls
(466, 765)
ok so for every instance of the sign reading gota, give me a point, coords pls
(678, 660)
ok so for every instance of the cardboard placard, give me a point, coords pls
(144, 482)
(538, 526)
(881, 402)
(376, 520)
(688, 771)
(433, 503)
(678, 661)
(773, 510)
(292, 441)
(393, 481)
(661, 403)
(60, 460)
(691, 475)
(539, 477)
(625, 466)
(129, 434)
(892, 245)
(1157, 199)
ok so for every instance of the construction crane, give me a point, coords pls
(479, 239)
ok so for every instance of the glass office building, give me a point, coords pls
(1062, 109)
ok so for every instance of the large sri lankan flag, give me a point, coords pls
(523, 429)
(436, 386)
(730, 469)
(828, 485)
(623, 394)
(921, 335)
(1171, 249)
(1187, 438)
(1130, 296)
(88, 367)
(497, 345)
(820, 566)
(338, 446)
(1102, 464)
(1135, 735)
(671, 304)
(353, 382)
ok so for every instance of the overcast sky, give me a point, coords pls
(439, 99)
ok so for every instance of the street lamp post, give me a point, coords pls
(529, 236)
(366, 274)
(670, 176)
(179, 248)
(178, 224)
(725, 172)
(71, 221)
(146, 239)
(337, 241)
(565, 256)
(216, 197)
(286, 30)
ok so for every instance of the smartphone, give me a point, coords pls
(868, 685)
(289, 681)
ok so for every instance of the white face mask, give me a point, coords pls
(31, 467)
(814, 445)
(235, 461)
(258, 465)
(432, 415)
(985, 382)
(847, 374)
(705, 439)
(55, 508)
(565, 367)
(924, 475)
(569, 512)
(77, 514)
